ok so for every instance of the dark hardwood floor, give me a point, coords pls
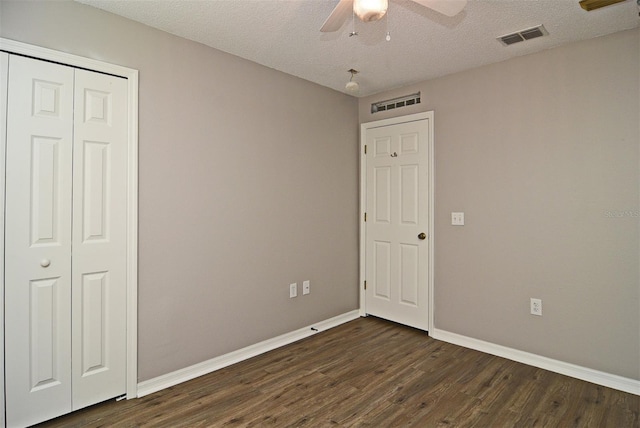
(371, 372)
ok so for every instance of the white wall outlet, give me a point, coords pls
(306, 287)
(457, 219)
(293, 290)
(536, 307)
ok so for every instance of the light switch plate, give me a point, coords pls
(293, 290)
(457, 219)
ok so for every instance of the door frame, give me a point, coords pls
(4, 65)
(37, 52)
(364, 127)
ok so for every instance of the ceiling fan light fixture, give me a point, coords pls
(370, 10)
(351, 86)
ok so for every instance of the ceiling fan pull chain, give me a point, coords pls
(353, 24)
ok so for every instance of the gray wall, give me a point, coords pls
(542, 154)
(248, 182)
(245, 186)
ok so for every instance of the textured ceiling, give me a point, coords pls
(284, 34)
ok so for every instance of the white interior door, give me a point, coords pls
(99, 299)
(38, 241)
(66, 240)
(397, 224)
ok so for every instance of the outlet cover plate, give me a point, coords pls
(457, 219)
(536, 307)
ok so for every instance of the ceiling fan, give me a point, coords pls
(373, 10)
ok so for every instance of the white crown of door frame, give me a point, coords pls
(429, 115)
(14, 47)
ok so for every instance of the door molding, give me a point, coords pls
(37, 52)
(364, 127)
(4, 66)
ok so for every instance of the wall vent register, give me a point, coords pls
(407, 100)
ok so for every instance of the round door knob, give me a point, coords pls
(422, 236)
(45, 262)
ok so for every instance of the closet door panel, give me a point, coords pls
(38, 241)
(99, 238)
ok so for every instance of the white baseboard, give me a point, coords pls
(631, 386)
(170, 379)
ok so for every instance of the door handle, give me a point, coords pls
(422, 236)
(45, 263)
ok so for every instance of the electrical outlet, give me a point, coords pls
(457, 219)
(536, 307)
(293, 290)
(306, 287)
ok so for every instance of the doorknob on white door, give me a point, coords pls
(45, 262)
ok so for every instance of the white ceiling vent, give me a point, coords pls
(407, 100)
(521, 36)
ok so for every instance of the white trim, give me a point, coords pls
(363, 209)
(432, 215)
(609, 380)
(131, 75)
(4, 65)
(174, 378)
(428, 115)
(38, 52)
(132, 240)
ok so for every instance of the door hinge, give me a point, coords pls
(365, 149)
(365, 216)
(365, 284)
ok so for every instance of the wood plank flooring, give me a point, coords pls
(371, 373)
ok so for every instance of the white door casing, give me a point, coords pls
(129, 249)
(4, 75)
(397, 197)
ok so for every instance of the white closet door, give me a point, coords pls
(66, 207)
(38, 241)
(99, 238)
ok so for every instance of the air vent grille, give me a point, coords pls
(521, 36)
(532, 33)
(407, 100)
(511, 39)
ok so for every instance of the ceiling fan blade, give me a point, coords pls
(445, 7)
(340, 13)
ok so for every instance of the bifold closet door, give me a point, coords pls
(98, 278)
(38, 241)
(65, 252)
